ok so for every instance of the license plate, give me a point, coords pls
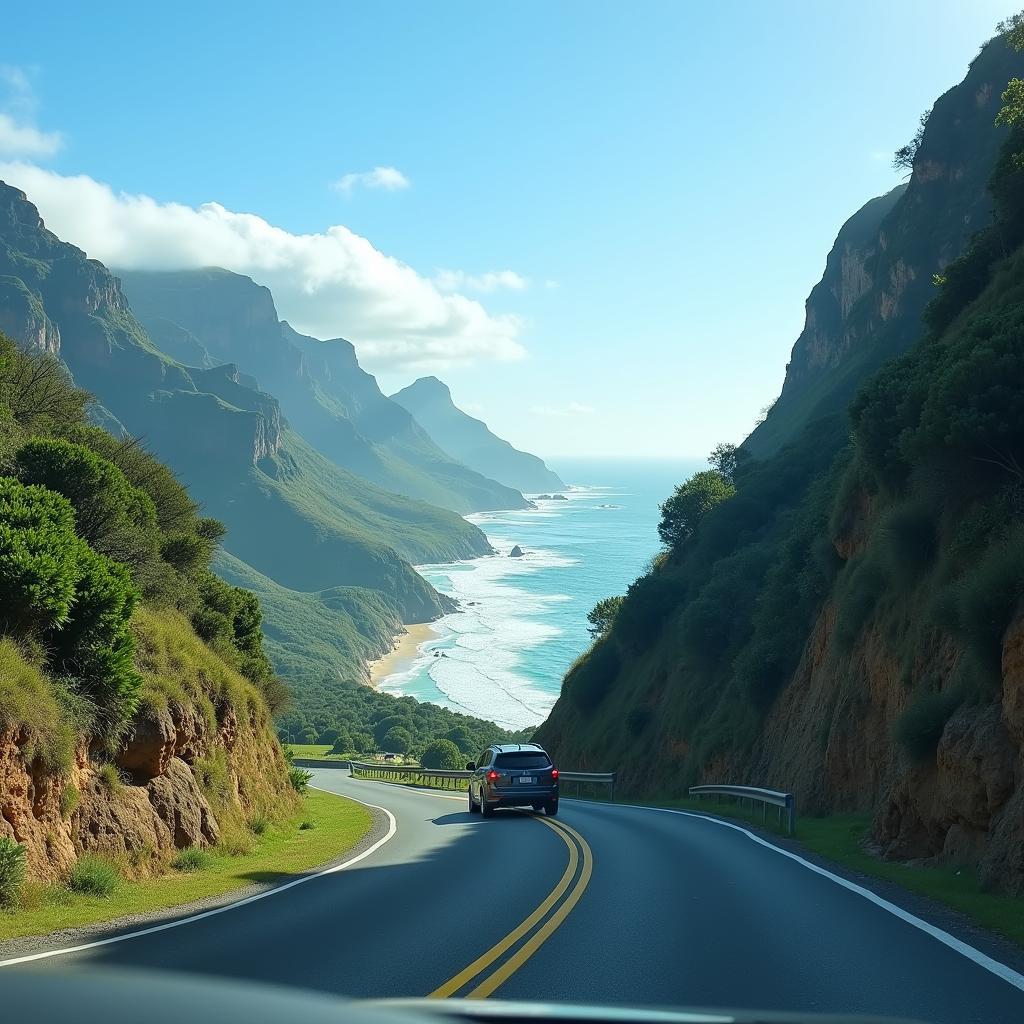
(528, 779)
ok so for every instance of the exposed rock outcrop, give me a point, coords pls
(157, 806)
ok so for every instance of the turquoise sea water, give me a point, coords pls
(523, 621)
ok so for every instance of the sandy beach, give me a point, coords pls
(403, 654)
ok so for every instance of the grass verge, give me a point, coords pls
(841, 838)
(324, 828)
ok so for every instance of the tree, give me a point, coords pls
(602, 615)
(37, 390)
(727, 458)
(903, 158)
(443, 754)
(362, 743)
(461, 738)
(682, 513)
(397, 740)
(343, 742)
(111, 516)
(385, 725)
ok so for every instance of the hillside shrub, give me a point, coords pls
(919, 729)
(192, 858)
(443, 754)
(989, 596)
(113, 517)
(94, 876)
(12, 872)
(299, 778)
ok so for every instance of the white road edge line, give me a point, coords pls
(1008, 975)
(392, 831)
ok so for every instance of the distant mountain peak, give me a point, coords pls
(470, 440)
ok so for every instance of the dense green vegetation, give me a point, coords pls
(910, 527)
(358, 719)
(89, 528)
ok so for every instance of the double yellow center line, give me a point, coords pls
(552, 911)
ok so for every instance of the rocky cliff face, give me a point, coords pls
(878, 277)
(325, 393)
(164, 801)
(57, 300)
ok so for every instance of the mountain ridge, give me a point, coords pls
(471, 441)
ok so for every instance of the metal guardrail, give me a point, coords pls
(412, 773)
(765, 797)
(395, 773)
(600, 778)
(319, 762)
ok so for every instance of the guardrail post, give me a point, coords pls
(611, 790)
(790, 814)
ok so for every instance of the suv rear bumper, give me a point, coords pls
(521, 797)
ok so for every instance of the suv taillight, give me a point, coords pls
(492, 775)
(554, 774)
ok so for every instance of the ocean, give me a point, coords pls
(523, 621)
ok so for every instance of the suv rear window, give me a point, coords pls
(522, 759)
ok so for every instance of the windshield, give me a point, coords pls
(623, 399)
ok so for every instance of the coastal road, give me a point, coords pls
(607, 904)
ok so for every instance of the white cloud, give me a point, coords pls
(491, 281)
(572, 409)
(24, 140)
(18, 135)
(326, 284)
(390, 179)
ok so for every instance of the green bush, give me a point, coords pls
(258, 824)
(192, 858)
(110, 777)
(305, 826)
(111, 516)
(691, 501)
(443, 754)
(12, 872)
(94, 876)
(919, 729)
(69, 797)
(990, 594)
(397, 740)
(39, 556)
(299, 778)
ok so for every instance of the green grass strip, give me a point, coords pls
(281, 852)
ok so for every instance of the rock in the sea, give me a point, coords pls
(559, 497)
(516, 552)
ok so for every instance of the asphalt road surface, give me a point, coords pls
(606, 904)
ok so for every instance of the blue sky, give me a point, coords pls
(598, 222)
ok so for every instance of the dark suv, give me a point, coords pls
(513, 775)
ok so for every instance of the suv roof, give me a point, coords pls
(508, 748)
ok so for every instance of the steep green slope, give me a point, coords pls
(470, 441)
(293, 514)
(334, 403)
(310, 635)
(848, 624)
